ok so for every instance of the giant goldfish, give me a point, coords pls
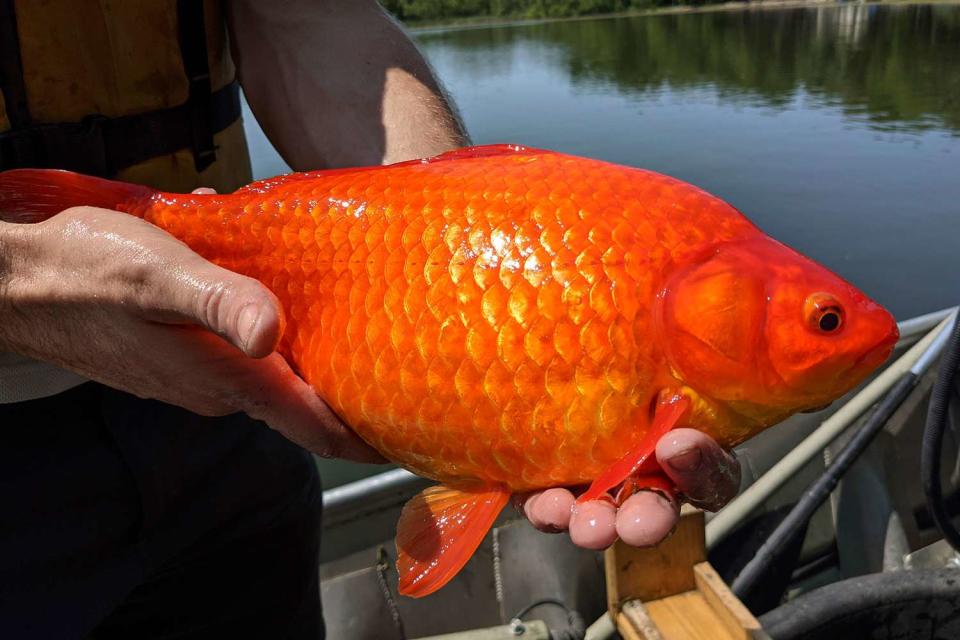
(503, 319)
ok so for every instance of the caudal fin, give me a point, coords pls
(33, 195)
(439, 530)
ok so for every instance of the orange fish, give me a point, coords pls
(503, 319)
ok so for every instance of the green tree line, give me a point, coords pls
(897, 68)
(440, 10)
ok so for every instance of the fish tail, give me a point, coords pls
(34, 195)
(439, 530)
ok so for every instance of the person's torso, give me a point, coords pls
(88, 58)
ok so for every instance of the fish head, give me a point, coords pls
(767, 332)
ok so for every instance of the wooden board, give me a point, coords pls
(732, 613)
(634, 623)
(656, 572)
(687, 616)
(670, 592)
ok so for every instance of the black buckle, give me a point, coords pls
(200, 105)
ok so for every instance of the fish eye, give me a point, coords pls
(824, 313)
(829, 320)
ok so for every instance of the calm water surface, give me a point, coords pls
(836, 129)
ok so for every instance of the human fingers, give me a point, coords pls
(593, 524)
(646, 518)
(704, 473)
(210, 377)
(548, 510)
(290, 406)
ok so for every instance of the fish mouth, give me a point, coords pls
(879, 353)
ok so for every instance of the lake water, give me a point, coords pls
(835, 129)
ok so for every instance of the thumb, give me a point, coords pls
(704, 473)
(239, 309)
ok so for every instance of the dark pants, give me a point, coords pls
(126, 518)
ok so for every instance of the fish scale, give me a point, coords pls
(504, 319)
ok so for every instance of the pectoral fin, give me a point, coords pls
(667, 416)
(439, 530)
(645, 481)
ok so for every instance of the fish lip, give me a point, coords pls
(879, 353)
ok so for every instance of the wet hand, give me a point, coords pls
(120, 301)
(705, 475)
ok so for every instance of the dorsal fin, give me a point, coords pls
(486, 151)
(481, 151)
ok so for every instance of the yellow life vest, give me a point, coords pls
(123, 80)
(99, 83)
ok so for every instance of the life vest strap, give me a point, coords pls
(193, 49)
(11, 74)
(103, 146)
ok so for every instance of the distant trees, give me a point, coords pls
(896, 68)
(419, 10)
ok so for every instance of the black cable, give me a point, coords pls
(533, 605)
(815, 566)
(919, 603)
(753, 574)
(933, 438)
(576, 627)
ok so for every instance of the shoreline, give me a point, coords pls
(481, 22)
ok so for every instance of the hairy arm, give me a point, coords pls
(337, 83)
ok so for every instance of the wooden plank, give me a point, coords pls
(656, 572)
(634, 623)
(687, 616)
(670, 592)
(732, 613)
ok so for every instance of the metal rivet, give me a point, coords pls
(517, 627)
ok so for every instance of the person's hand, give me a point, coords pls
(122, 302)
(706, 476)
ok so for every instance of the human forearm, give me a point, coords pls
(338, 83)
(120, 301)
(13, 250)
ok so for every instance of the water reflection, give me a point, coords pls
(836, 129)
(896, 67)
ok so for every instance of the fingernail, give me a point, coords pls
(686, 461)
(247, 324)
(665, 500)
